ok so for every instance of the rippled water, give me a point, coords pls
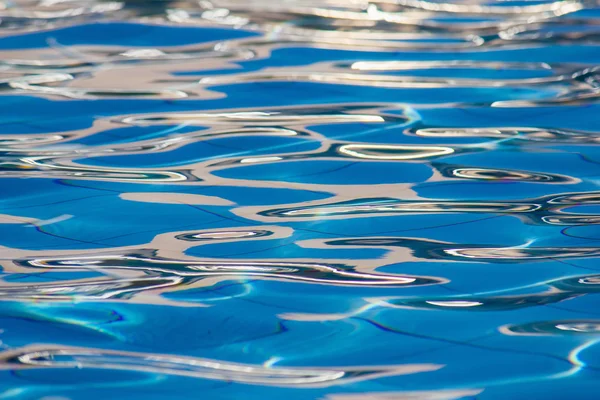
(299, 199)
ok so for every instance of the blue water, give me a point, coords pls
(299, 199)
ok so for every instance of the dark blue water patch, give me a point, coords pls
(590, 154)
(208, 150)
(330, 343)
(552, 346)
(122, 34)
(134, 134)
(430, 225)
(27, 324)
(29, 114)
(51, 276)
(300, 56)
(585, 381)
(329, 172)
(590, 359)
(581, 117)
(131, 217)
(30, 193)
(89, 228)
(197, 338)
(492, 190)
(250, 197)
(587, 13)
(433, 326)
(83, 376)
(264, 292)
(493, 279)
(282, 249)
(502, 372)
(29, 237)
(583, 209)
(303, 92)
(585, 233)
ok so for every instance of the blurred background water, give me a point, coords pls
(299, 199)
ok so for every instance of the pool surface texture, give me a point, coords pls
(299, 200)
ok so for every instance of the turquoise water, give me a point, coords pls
(308, 199)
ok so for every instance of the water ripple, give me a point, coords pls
(84, 358)
(294, 271)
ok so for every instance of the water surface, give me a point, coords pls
(307, 199)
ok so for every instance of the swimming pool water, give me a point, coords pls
(299, 199)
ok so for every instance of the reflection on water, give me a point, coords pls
(201, 368)
(310, 199)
